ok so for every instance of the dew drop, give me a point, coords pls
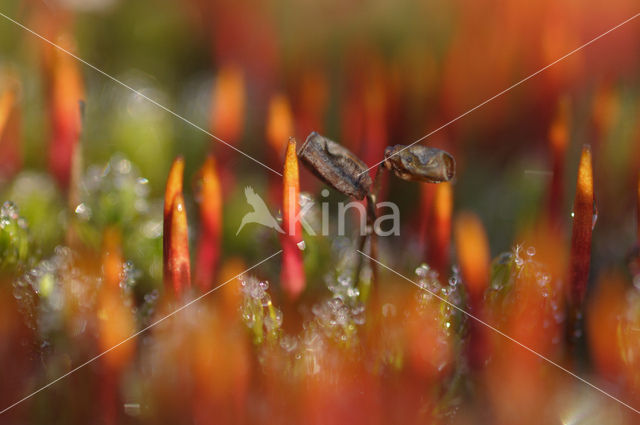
(301, 245)
(422, 270)
(531, 251)
(83, 211)
(353, 292)
(273, 321)
(289, 343)
(9, 210)
(123, 166)
(344, 280)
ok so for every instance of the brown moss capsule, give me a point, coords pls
(336, 166)
(420, 163)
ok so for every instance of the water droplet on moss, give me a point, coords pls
(289, 343)
(422, 270)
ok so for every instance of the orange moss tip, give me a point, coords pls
(472, 247)
(443, 200)
(178, 263)
(440, 230)
(584, 191)
(116, 325)
(65, 94)
(115, 319)
(583, 221)
(7, 100)
(112, 259)
(174, 184)
(293, 278)
(209, 195)
(67, 83)
(175, 241)
(231, 298)
(291, 192)
(210, 199)
(279, 122)
(228, 106)
(173, 187)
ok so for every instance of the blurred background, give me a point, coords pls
(367, 74)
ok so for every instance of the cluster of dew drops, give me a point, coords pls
(14, 235)
(119, 174)
(45, 288)
(257, 306)
(449, 294)
(524, 261)
(332, 321)
(9, 214)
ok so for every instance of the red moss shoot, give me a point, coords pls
(65, 94)
(292, 276)
(583, 216)
(115, 319)
(179, 266)
(174, 186)
(472, 247)
(440, 230)
(175, 243)
(116, 324)
(210, 197)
